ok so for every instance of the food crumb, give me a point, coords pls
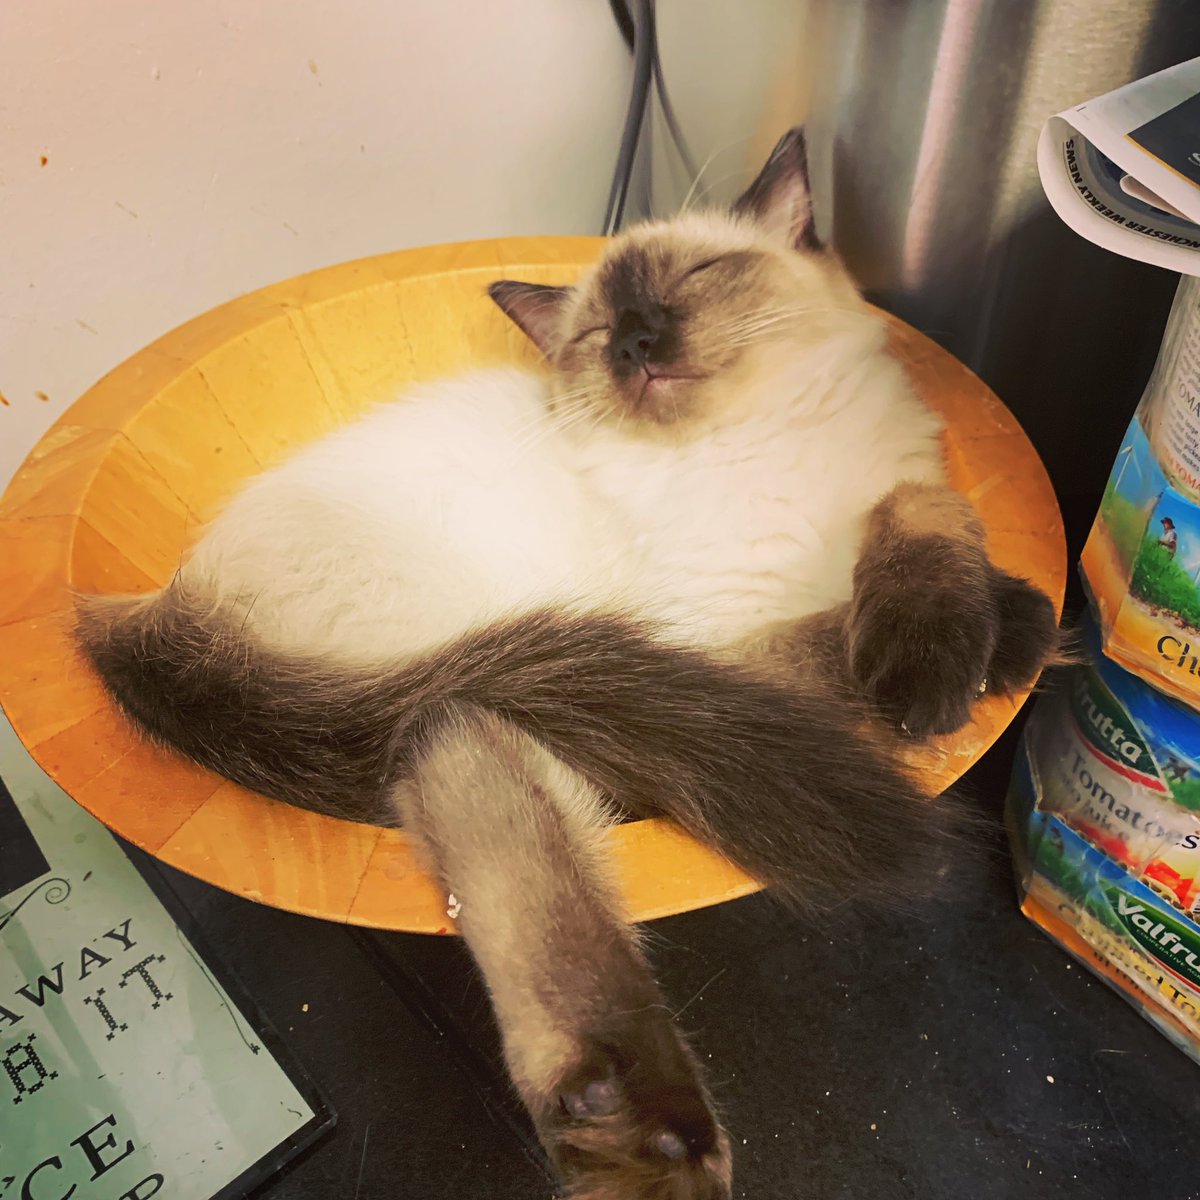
(304, 1008)
(873, 1125)
(1049, 1078)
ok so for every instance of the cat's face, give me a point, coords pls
(693, 323)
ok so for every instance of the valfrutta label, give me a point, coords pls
(1129, 790)
(1173, 942)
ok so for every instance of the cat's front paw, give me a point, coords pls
(923, 658)
(925, 652)
(637, 1128)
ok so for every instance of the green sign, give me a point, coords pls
(126, 1070)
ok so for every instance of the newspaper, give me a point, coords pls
(1124, 170)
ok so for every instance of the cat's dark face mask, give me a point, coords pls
(685, 324)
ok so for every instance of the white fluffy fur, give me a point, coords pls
(761, 521)
(454, 506)
(465, 501)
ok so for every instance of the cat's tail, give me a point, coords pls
(782, 781)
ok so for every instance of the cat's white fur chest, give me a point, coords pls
(452, 507)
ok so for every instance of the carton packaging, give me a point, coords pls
(1104, 819)
(1141, 564)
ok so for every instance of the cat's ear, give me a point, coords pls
(535, 308)
(779, 199)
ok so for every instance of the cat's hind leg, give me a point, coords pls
(613, 1089)
(933, 623)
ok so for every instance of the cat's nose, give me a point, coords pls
(635, 339)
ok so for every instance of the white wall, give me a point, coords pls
(736, 75)
(198, 150)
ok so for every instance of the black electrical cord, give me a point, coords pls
(639, 30)
(624, 20)
(635, 115)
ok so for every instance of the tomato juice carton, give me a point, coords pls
(1104, 819)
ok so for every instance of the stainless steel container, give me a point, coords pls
(923, 118)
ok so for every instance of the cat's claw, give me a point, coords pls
(600, 1098)
(669, 1144)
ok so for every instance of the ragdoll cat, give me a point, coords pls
(708, 569)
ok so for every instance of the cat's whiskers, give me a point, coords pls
(736, 174)
(766, 310)
(756, 316)
(558, 403)
(538, 432)
(752, 330)
(691, 192)
(570, 409)
(586, 417)
(745, 331)
(749, 328)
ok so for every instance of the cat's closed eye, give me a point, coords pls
(583, 334)
(703, 266)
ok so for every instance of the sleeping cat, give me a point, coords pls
(708, 569)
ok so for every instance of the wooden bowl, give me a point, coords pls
(116, 489)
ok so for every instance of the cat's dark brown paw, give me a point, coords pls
(933, 625)
(926, 646)
(1029, 638)
(922, 636)
(632, 1121)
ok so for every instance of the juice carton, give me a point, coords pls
(1141, 564)
(1104, 818)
